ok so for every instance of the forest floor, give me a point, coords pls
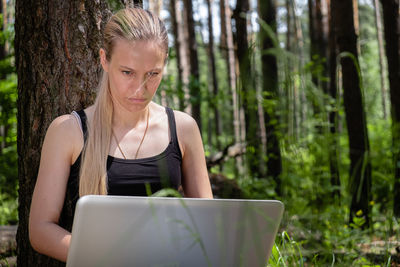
(8, 245)
(375, 251)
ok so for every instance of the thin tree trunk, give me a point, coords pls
(267, 12)
(174, 10)
(132, 3)
(194, 84)
(391, 22)
(379, 35)
(333, 115)
(299, 96)
(223, 43)
(231, 64)
(318, 52)
(360, 165)
(248, 90)
(356, 24)
(155, 6)
(215, 101)
(57, 63)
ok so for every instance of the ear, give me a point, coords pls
(103, 59)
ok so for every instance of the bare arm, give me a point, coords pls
(196, 182)
(59, 150)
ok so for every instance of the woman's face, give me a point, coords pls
(135, 72)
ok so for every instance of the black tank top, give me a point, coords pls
(129, 177)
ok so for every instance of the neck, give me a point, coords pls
(124, 119)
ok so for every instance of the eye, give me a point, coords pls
(127, 72)
(152, 74)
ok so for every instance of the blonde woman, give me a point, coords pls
(125, 144)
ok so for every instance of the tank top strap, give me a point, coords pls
(172, 125)
(82, 116)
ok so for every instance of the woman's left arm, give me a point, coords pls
(195, 180)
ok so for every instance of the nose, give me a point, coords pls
(139, 86)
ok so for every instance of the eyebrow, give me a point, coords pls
(125, 67)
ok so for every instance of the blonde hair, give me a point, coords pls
(131, 24)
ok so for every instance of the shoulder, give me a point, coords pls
(65, 133)
(65, 124)
(185, 121)
(187, 130)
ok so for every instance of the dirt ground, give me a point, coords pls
(8, 245)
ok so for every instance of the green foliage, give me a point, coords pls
(8, 210)
(8, 132)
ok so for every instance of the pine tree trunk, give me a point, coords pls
(179, 45)
(132, 3)
(379, 35)
(360, 165)
(211, 57)
(391, 22)
(248, 91)
(194, 84)
(299, 106)
(267, 12)
(155, 6)
(228, 46)
(333, 115)
(57, 62)
(223, 44)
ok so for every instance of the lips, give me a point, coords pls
(137, 100)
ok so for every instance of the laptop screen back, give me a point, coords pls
(142, 231)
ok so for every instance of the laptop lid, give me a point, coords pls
(158, 231)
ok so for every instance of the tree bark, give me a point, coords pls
(56, 55)
(333, 115)
(211, 57)
(223, 43)
(267, 12)
(155, 6)
(247, 89)
(379, 35)
(194, 84)
(180, 51)
(360, 165)
(391, 22)
(132, 3)
(318, 54)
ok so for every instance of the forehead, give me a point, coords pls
(138, 54)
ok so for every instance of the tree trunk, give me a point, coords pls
(360, 165)
(356, 24)
(57, 63)
(299, 106)
(318, 54)
(267, 12)
(228, 46)
(155, 6)
(180, 51)
(132, 3)
(391, 22)
(214, 99)
(379, 35)
(223, 43)
(333, 115)
(248, 91)
(194, 84)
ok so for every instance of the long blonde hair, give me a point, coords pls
(131, 24)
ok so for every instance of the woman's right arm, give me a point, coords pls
(61, 147)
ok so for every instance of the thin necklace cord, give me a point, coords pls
(141, 141)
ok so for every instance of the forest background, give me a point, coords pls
(296, 100)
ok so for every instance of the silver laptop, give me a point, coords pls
(159, 231)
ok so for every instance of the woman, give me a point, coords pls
(124, 144)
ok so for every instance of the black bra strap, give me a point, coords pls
(83, 117)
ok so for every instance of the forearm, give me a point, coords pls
(50, 239)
